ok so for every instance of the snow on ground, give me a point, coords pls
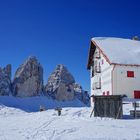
(74, 124)
(32, 104)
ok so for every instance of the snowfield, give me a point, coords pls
(74, 124)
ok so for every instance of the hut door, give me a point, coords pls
(136, 94)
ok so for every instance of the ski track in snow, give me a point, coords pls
(74, 124)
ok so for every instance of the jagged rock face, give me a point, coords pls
(28, 80)
(81, 94)
(5, 80)
(62, 87)
(59, 84)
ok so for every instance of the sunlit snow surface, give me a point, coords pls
(74, 124)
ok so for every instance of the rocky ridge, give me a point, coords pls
(61, 86)
(5, 80)
(28, 82)
(28, 79)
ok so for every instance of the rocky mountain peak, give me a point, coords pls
(28, 80)
(32, 58)
(62, 74)
(5, 80)
(29, 63)
(61, 86)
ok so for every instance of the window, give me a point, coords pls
(98, 68)
(137, 94)
(130, 74)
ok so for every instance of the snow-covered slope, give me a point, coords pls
(74, 124)
(119, 50)
(32, 104)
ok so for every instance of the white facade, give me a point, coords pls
(100, 75)
(109, 78)
(122, 84)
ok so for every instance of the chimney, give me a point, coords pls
(135, 38)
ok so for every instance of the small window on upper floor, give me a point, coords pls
(130, 74)
(98, 68)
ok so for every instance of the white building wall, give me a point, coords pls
(105, 76)
(123, 84)
(114, 79)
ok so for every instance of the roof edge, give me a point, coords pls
(93, 46)
(132, 65)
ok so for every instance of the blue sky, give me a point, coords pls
(59, 31)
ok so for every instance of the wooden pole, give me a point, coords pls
(118, 112)
(92, 113)
(135, 116)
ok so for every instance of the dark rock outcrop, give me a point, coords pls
(28, 80)
(5, 80)
(61, 86)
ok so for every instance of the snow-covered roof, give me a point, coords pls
(119, 50)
